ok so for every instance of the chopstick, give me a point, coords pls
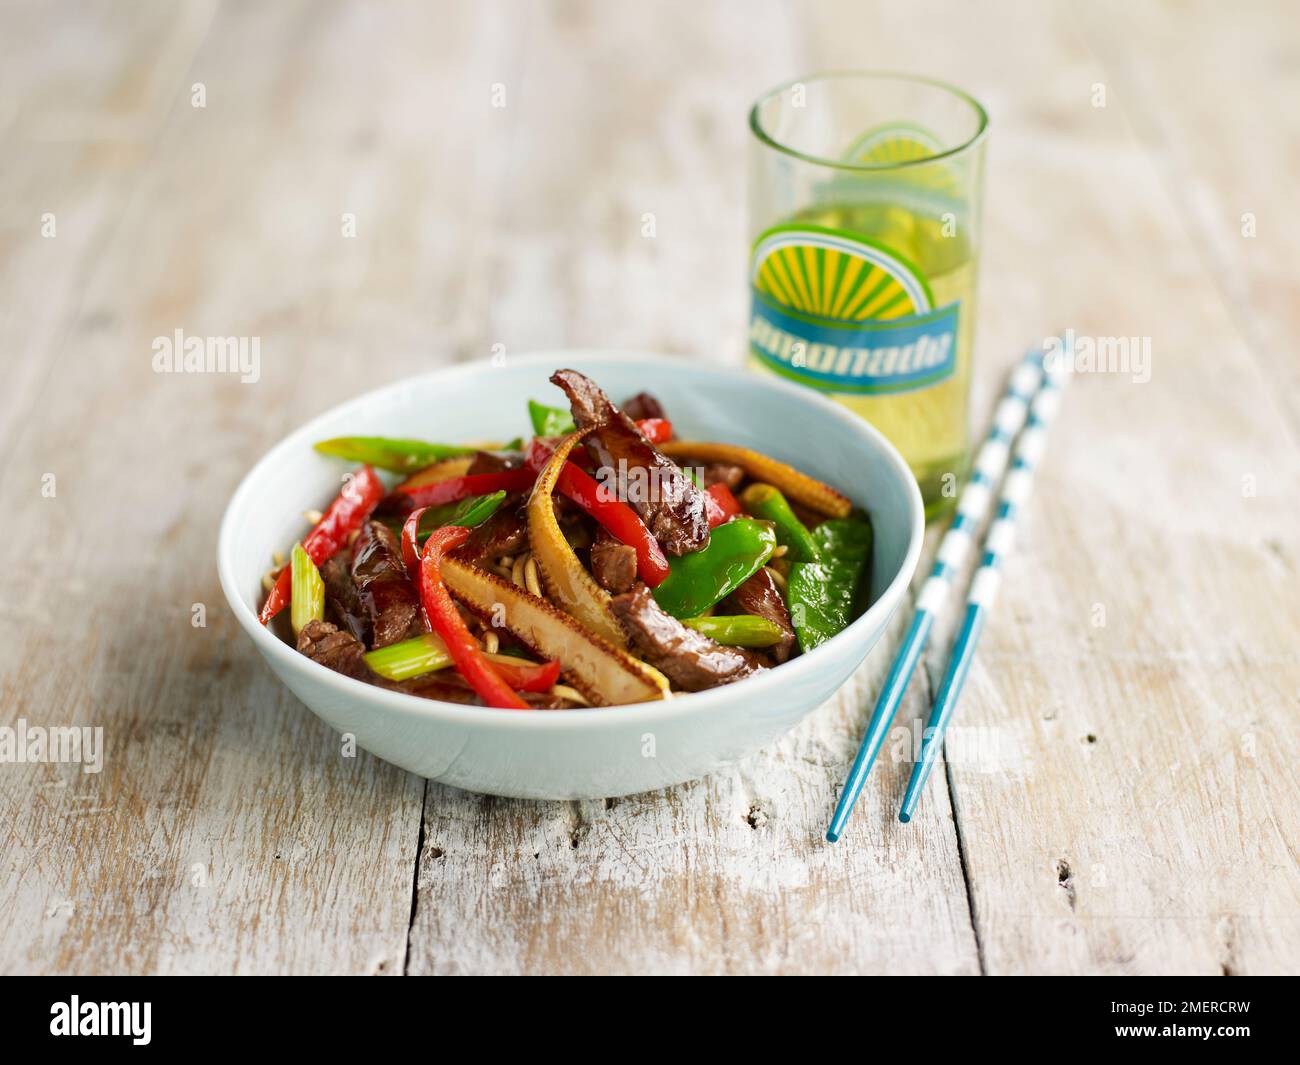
(984, 585)
(973, 508)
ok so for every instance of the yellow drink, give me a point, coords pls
(865, 193)
(925, 417)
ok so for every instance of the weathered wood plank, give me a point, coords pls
(80, 110)
(1218, 109)
(1149, 605)
(228, 831)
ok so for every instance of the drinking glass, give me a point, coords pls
(864, 206)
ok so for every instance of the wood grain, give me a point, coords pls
(1125, 797)
(1216, 105)
(1120, 793)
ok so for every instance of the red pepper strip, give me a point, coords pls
(524, 677)
(410, 543)
(656, 430)
(454, 489)
(618, 519)
(722, 505)
(359, 497)
(446, 621)
(529, 676)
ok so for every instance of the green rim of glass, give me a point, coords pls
(981, 130)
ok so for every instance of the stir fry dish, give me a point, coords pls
(599, 562)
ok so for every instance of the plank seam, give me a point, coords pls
(415, 880)
(928, 683)
(965, 865)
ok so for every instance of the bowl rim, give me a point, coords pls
(756, 687)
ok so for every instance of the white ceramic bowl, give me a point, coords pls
(587, 753)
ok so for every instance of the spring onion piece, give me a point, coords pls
(550, 421)
(410, 658)
(427, 653)
(765, 501)
(390, 453)
(798, 487)
(307, 595)
(476, 510)
(739, 630)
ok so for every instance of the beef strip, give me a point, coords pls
(723, 473)
(643, 405)
(761, 597)
(613, 563)
(390, 599)
(495, 462)
(505, 533)
(668, 501)
(689, 659)
(326, 643)
(342, 604)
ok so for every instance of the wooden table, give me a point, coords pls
(1139, 683)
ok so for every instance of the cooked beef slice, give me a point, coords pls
(643, 405)
(613, 563)
(495, 462)
(670, 503)
(723, 473)
(505, 533)
(390, 599)
(689, 659)
(761, 597)
(342, 604)
(335, 649)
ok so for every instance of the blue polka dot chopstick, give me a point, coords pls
(984, 586)
(973, 507)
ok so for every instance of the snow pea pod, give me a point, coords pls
(549, 421)
(765, 501)
(390, 453)
(823, 595)
(698, 580)
(470, 513)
